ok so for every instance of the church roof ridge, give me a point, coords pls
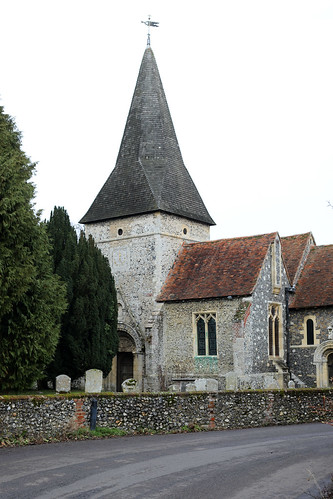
(255, 236)
(149, 174)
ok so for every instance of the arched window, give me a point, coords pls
(309, 332)
(212, 336)
(277, 336)
(201, 335)
(206, 334)
(274, 333)
(270, 336)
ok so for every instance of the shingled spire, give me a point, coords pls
(150, 174)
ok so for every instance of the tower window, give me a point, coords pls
(185, 230)
(120, 232)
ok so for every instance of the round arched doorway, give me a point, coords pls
(330, 369)
(129, 361)
(124, 359)
(323, 359)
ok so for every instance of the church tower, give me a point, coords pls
(146, 209)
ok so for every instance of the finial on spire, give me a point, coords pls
(149, 23)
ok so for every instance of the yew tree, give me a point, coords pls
(32, 298)
(89, 337)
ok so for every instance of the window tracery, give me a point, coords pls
(205, 331)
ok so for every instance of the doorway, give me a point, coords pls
(124, 368)
(330, 369)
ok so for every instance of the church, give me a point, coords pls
(249, 312)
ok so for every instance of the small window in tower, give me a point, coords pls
(185, 231)
(120, 232)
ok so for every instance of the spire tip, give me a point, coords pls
(150, 23)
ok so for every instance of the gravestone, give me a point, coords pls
(190, 387)
(130, 385)
(174, 388)
(206, 385)
(94, 381)
(63, 383)
(231, 381)
(291, 384)
(212, 385)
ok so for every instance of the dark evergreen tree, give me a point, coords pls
(65, 259)
(32, 298)
(89, 328)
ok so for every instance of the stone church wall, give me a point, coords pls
(141, 250)
(54, 416)
(243, 359)
(257, 342)
(301, 355)
(180, 361)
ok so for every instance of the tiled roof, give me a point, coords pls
(315, 285)
(227, 267)
(149, 174)
(294, 250)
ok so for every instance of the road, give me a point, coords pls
(274, 462)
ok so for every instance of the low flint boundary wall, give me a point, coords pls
(60, 414)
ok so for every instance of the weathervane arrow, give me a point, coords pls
(150, 23)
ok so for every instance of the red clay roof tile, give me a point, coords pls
(315, 285)
(293, 248)
(216, 268)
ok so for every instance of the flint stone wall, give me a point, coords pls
(143, 253)
(301, 357)
(179, 361)
(42, 416)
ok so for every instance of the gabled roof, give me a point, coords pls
(294, 250)
(315, 285)
(149, 174)
(215, 269)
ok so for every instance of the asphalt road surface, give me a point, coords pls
(275, 462)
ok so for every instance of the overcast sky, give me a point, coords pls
(249, 84)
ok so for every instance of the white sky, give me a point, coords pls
(249, 84)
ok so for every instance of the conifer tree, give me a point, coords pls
(32, 299)
(89, 328)
(63, 240)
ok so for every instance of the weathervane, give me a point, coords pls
(149, 23)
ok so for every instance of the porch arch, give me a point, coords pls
(137, 340)
(129, 361)
(320, 359)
